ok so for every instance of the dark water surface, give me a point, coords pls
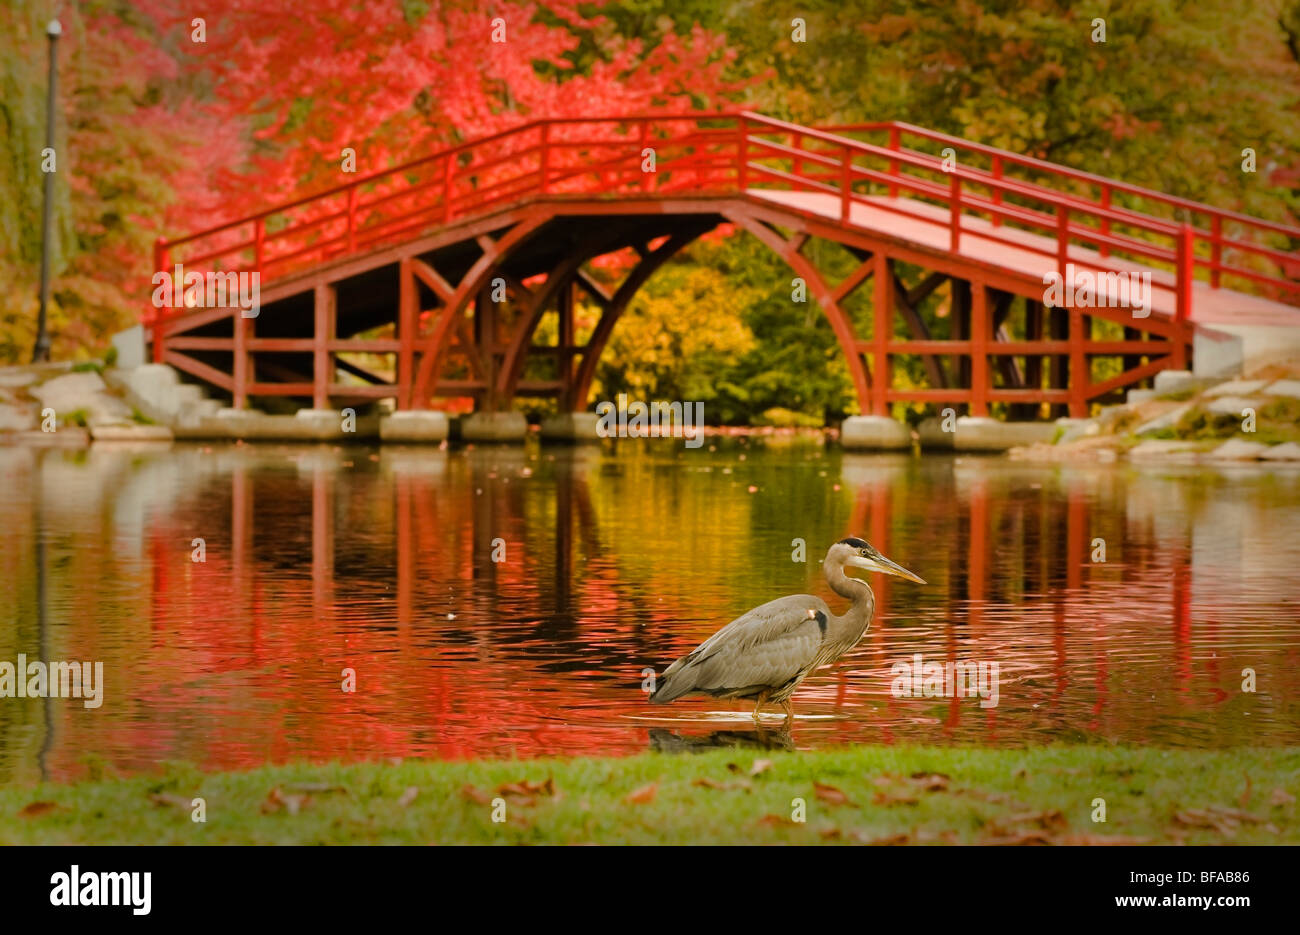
(320, 559)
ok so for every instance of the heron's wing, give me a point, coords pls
(768, 646)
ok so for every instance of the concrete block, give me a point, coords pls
(874, 433)
(571, 427)
(932, 435)
(979, 433)
(1135, 397)
(414, 426)
(130, 348)
(131, 433)
(1216, 354)
(1171, 381)
(493, 427)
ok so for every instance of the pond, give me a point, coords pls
(505, 601)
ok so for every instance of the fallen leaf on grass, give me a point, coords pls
(475, 795)
(34, 809)
(888, 797)
(276, 800)
(1244, 799)
(526, 789)
(1047, 820)
(1280, 797)
(1019, 839)
(760, 767)
(643, 795)
(775, 821)
(930, 782)
(316, 787)
(1235, 814)
(831, 834)
(408, 796)
(1092, 840)
(889, 840)
(831, 794)
(168, 798)
(707, 783)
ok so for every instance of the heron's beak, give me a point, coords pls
(893, 568)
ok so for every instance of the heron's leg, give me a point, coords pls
(761, 699)
(789, 711)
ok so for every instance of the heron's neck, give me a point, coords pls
(854, 589)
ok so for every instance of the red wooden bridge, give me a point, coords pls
(429, 280)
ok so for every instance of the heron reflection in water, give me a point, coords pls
(764, 655)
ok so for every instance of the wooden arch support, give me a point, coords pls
(829, 298)
(434, 347)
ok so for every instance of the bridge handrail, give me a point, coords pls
(739, 140)
(1056, 168)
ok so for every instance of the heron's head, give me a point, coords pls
(858, 553)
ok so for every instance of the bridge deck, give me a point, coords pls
(927, 226)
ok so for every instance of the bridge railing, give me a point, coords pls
(555, 157)
(1223, 243)
(722, 153)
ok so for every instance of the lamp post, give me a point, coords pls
(41, 353)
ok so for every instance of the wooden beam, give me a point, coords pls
(934, 369)
(598, 292)
(980, 332)
(854, 279)
(325, 301)
(431, 278)
(882, 334)
(407, 320)
(921, 291)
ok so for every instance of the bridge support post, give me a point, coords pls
(323, 333)
(882, 331)
(1080, 324)
(243, 331)
(406, 323)
(980, 328)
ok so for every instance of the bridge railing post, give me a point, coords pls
(997, 191)
(160, 261)
(447, 169)
(895, 141)
(1105, 221)
(1186, 271)
(954, 196)
(1216, 249)
(796, 143)
(1062, 238)
(742, 152)
(1183, 300)
(846, 182)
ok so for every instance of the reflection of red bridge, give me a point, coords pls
(442, 269)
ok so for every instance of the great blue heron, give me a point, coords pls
(767, 652)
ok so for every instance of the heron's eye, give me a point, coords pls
(863, 552)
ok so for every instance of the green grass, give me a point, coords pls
(868, 794)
